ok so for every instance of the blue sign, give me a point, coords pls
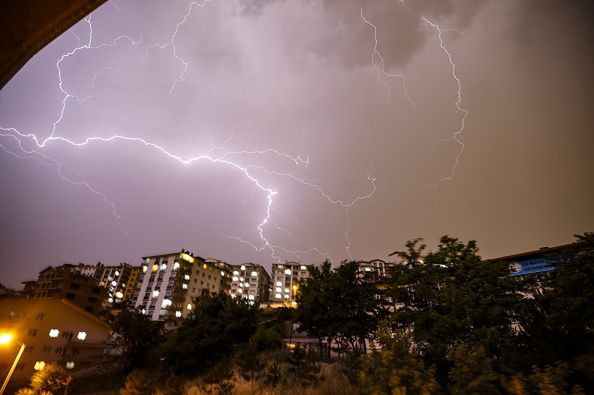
(529, 266)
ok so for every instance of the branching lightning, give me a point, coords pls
(216, 154)
(379, 66)
(458, 104)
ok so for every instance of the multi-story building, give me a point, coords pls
(66, 282)
(376, 268)
(119, 281)
(169, 283)
(50, 330)
(250, 281)
(286, 278)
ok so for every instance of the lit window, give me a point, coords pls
(251, 297)
(235, 278)
(286, 290)
(252, 302)
(143, 311)
(81, 335)
(117, 273)
(166, 303)
(155, 293)
(303, 267)
(189, 306)
(235, 273)
(69, 365)
(239, 290)
(178, 314)
(367, 269)
(144, 269)
(186, 277)
(175, 265)
(279, 283)
(280, 266)
(278, 289)
(241, 279)
(278, 296)
(242, 267)
(109, 300)
(39, 365)
(185, 286)
(163, 267)
(54, 333)
(155, 268)
(254, 274)
(288, 272)
(114, 283)
(247, 284)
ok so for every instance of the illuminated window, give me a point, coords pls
(247, 284)
(54, 333)
(114, 283)
(239, 290)
(163, 267)
(241, 279)
(288, 272)
(235, 273)
(222, 273)
(117, 273)
(39, 365)
(81, 335)
(144, 269)
(155, 293)
(303, 267)
(254, 274)
(109, 300)
(189, 306)
(278, 289)
(178, 314)
(119, 295)
(235, 278)
(185, 286)
(175, 265)
(242, 267)
(286, 290)
(69, 365)
(166, 303)
(278, 296)
(279, 283)
(186, 277)
(143, 311)
(251, 297)
(155, 268)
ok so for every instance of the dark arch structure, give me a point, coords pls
(26, 26)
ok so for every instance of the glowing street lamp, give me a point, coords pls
(6, 338)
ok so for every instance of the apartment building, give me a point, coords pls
(50, 330)
(251, 282)
(119, 282)
(66, 282)
(169, 283)
(286, 278)
(376, 269)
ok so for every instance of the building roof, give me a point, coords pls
(540, 251)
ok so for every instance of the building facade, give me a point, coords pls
(51, 330)
(169, 283)
(251, 282)
(66, 282)
(119, 282)
(286, 278)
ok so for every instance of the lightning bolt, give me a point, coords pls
(225, 158)
(181, 78)
(458, 104)
(379, 66)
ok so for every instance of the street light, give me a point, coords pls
(6, 338)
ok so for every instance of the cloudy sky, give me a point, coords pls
(298, 130)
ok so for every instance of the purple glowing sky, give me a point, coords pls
(297, 98)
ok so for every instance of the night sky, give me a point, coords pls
(298, 130)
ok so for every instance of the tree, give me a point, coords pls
(134, 338)
(472, 372)
(52, 380)
(452, 297)
(558, 321)
(339, 304)
(210, 333)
